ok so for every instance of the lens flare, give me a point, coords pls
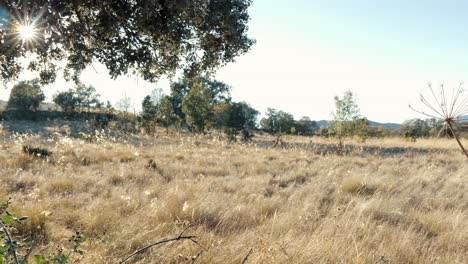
(27, 32)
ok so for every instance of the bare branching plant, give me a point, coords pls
(449, 106)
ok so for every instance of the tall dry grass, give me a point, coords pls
(296, 204)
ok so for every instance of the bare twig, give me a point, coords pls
(247, 256)
(30, 250)
(197, 256)
(278, 141)
(164, 241)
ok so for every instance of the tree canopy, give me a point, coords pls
(26, 96)
(216, 92)
(277, 121)
(197, 109)
(66, 100)
(147, 37)
(347, 120)
(165, 113)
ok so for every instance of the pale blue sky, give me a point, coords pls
(309, 51)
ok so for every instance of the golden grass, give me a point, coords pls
(299, 204)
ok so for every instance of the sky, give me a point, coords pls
(309, 51)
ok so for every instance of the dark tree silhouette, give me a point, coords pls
(148, 37)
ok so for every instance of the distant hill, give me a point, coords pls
(3, 105)
(385, 125)
(463, 119)
(395, 126)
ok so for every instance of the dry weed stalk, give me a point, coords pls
(447, 107)
(247, 256)
(278, 141)
(165, 241)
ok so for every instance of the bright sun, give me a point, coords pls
(27, 32)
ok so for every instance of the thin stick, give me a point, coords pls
(247, 257)
(458, 140)
(164, 241)
(197, 256)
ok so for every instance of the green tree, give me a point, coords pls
(148, 37)
(345, 115)
(178, 91)
(220, 114)
(420, 128)
(26, 96)
(250, 115)
(149, 110)
(86, 97)
(347, 120)
(240, 117)
(361, 128)
(217, 92)
(277, 121)
(305, 126)
(197, 109)
(165, 113)
(66, 100)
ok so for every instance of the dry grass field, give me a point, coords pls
(386, 201)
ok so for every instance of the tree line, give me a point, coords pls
(202, 104)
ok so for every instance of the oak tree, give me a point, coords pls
(26, 96)
(146, 37)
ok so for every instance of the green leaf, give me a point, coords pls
(8, 220)
(61, 259)
(40, 259)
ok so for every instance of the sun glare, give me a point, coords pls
(27, 32)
